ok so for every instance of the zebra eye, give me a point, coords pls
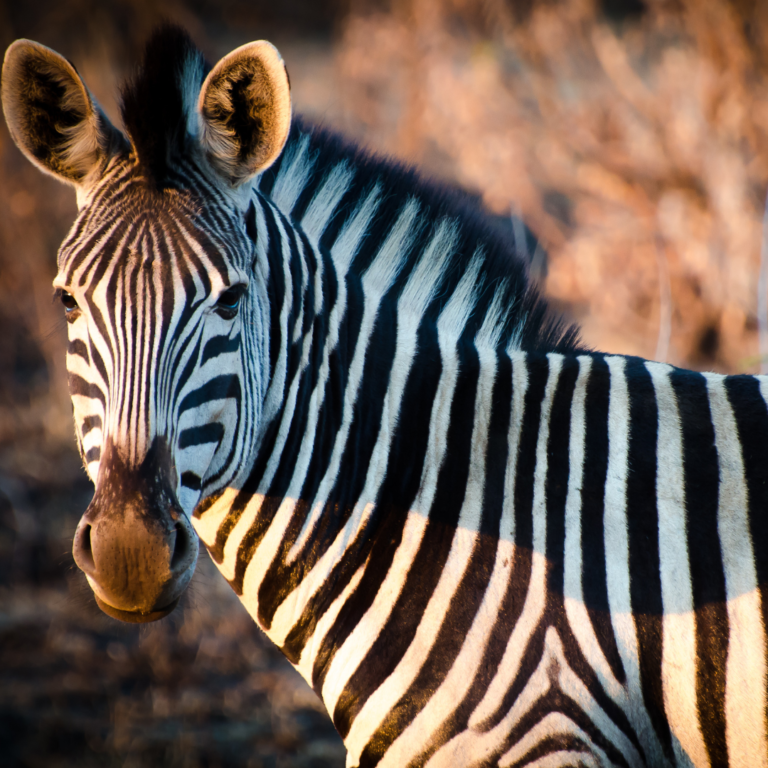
(68, 300)
(229, 302)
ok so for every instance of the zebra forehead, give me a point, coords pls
(128, 221)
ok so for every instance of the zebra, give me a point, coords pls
(480, 542)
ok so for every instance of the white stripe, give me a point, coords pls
(293, 175)
(344, 250)
(679, 623)
(309, 653)
(745, 672)
(426, 278)
(519, 389)
(325, 201)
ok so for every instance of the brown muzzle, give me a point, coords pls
(134, 542)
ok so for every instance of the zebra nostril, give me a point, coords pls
(179, 545)
(83, 551)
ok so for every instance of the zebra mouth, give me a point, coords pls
(135, 617)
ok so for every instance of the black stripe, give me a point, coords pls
(95, 238)
(594, 578)
(207, 433)
(192, 362)
(220, 345)
(242, 499)
(93, 454)
(749, 410)
(89, 423)
(314, 182)
(642, 532)
(191, 480)
(266, 181)
(349, 205)
(78, 347)
(276, 287)
(218, 388)
(79, 386)
(556, 485)
(226, 464)
(707, 577)
(98, 361)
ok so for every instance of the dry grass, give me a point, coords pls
(638, 156)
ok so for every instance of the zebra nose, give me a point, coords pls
(137, 567)
(180, 543)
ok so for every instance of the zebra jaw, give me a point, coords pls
(134, 543)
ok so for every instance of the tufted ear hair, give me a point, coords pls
(52, 117)
(245, 111)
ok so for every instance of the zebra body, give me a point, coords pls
(478, 542)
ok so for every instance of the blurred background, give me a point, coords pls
(630, 135)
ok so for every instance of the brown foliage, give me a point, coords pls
(638, 155)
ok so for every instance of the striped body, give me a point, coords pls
(502, 549)
(479, 543)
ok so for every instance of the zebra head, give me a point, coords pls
(163, 282)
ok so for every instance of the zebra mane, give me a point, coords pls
(158, 101)
(523, 318)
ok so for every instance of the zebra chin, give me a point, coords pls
(134, 543)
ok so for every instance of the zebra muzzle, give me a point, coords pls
(134, 543)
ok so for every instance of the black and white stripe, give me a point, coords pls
(492, 552)
(478, 542)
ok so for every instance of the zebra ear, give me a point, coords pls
(51, 116)
(245, 111)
